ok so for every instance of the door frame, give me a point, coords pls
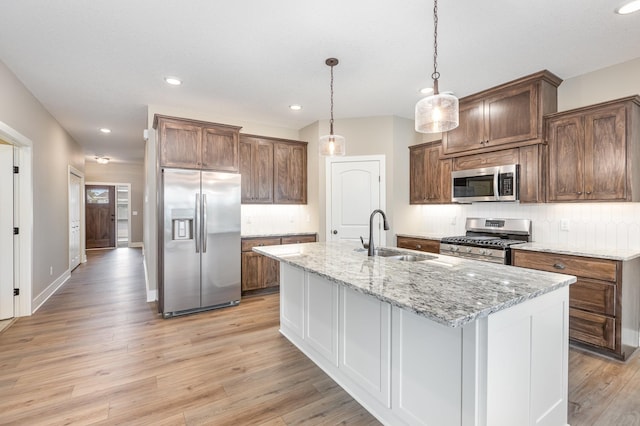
(350, 159)
(73, 171)
(23, 197)
(116, 184)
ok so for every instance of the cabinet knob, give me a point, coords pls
(559, 266)
(418, 246)
(335, 232)
(588, 192)
(579, 193)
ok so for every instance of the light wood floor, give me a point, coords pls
(97, 353)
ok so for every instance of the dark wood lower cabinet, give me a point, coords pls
(602, 302)
(259, 272)
(421, 244)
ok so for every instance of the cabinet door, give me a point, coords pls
(445, 181)
(270, 272)
(469, 134)
(417, 175)
(256, 167)
(595, 329)
(429, 176)
(220, 150)
(566, 158)
(511, 115)
(180, 145)
(605, 154)
(531, 186)
(251, 271)
(290, 173)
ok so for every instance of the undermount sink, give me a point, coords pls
(401, 255)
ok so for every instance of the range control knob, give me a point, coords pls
(469, 249)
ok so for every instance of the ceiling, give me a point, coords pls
(99, 63)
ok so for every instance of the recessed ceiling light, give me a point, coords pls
(105, 130)
(102, 160)
(174, 81)
(426, 90)
(630, 7)
(295, 107)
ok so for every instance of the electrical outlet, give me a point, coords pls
(50, 270)
(249, 218)
(564, 224)
(453, 220)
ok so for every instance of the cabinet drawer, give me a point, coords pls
(591, 328)
(588, 267)
(298, 239)
(250, 243)
(594, 296)
(431, 246)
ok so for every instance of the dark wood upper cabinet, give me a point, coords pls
(290, 172)
(220, 149)
(592, 152)
(506, 116)
(192, 144)
(429, 176)
(274, 170)
(256, 167)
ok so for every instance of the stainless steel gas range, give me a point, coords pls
(488, 239)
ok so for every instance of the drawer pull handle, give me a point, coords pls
(559, 266)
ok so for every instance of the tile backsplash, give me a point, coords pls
(275, 219)
(601, 225)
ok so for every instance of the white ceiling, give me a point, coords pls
(99, 63)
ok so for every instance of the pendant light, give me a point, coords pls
(438, 112)
(332, 145)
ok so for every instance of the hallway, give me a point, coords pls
(98, 353)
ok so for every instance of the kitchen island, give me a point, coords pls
(438, 341)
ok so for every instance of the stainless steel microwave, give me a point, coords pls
(487, 184)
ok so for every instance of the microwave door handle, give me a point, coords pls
(496, 185)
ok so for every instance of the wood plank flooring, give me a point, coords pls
(98, 353)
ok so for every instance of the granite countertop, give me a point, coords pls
(449, 290)
(612, 254)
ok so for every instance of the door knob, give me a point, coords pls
(335, 232)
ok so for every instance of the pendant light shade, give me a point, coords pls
(438, 112)
(332, 145)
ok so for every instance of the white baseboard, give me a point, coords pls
(136, 244)
(50, 290)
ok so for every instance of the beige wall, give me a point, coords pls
(123, 173)
(53, 151)
(614, 82)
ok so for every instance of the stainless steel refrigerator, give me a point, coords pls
(200, 244)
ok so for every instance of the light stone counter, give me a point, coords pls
(611, 254)
(448, 290)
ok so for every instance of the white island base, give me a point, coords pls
(509, 368)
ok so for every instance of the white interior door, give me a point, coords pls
(75, 194)
(355, 191)
(6, 231)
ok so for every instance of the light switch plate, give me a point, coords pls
(564, 224)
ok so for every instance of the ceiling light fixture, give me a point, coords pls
(102, 160)
(332, 145)
(438, 112)
(174, 81)
(105, 130)
(295, 107)
(629, 7)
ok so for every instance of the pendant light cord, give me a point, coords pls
(436, 75)
(331, 121)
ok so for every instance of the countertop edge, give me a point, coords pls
(622, 255)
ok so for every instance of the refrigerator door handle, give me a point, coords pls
(197, 224)
(204, 223)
